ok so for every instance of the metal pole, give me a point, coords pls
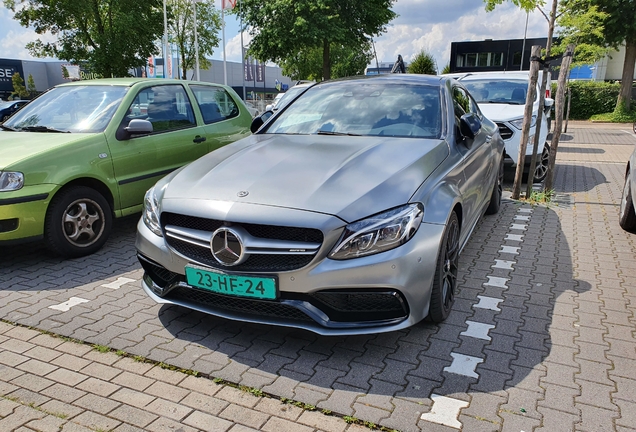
(242, 58)
(523, 47)
(375, 54)
(223, 32)
(196, 40)
(164, 49)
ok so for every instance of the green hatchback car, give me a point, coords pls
(85, 152)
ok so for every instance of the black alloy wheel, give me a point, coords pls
(627, 216)
(541, 167)
(445, 281)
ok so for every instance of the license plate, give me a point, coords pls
(242, 286)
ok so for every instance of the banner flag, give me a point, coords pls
(248, 66)
(260, 71)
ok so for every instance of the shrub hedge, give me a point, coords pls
(591, 97)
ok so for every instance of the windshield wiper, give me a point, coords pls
(42, 129)
(7, 128)
(323, 132)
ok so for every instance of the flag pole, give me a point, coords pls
(164, 50)
(223, 29)
(196, 40)
(242, 56)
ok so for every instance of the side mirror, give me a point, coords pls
(260, 120)
(548, 102)
(139, 126)
(469, 125)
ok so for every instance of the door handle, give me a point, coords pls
(199, 139)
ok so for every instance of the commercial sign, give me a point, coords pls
(7, 69)
(248, 66)
(260, 71)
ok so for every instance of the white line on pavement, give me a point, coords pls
(118, 283)
(67, 305)
(463, 365)
(445, 411)
(488, 303)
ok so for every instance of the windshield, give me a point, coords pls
(507, 91)
(358, 108)
(288, 96)
(86, 108)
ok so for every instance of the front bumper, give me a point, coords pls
(379, 293)
(23, 212)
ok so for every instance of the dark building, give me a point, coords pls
(492, 55)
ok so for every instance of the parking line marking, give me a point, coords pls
(67, 305)
(522, 218)
(463, 365)
(503, 264)
(489, 303)
(445, 411)
(510, 249)
(518, 226)
(514, 237)
(496, 282)
(118, 283)
(525, 210)
(478, 330)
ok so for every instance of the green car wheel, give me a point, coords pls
(78, 222)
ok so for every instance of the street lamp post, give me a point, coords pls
(196, 40)
(165, 41)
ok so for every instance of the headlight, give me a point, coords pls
(151, 212)
(379, 233)
(519, 122)
(11, 181)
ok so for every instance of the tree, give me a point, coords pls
(345, 61)
(181, 31)
(18, 86)
(423, 63)
(616, 21)
(446, 69)
(281, 28)
(109, 36)
(31, 89)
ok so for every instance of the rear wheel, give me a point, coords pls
(497, 191)
(627, 217)
(445, 281)
(78, 222)
(541, 167)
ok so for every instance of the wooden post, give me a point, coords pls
(558, 115)
(537, 131)
(527, 119)
(567, 113)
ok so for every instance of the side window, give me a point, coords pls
(215, 103)
(167, 107)
(461, 102)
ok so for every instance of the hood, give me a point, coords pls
(503, 112)
(345, 176)
(17, 146)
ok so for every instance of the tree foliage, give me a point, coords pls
(181, 29)
(613, 23)
(30, 87)
(19, 89)
(423, 63)
(281, 29)
(345, 61)
(108, 36)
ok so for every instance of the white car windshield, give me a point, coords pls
(363, 109)
(81, 108)
(506, 91)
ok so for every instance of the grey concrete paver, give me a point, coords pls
(562, 347)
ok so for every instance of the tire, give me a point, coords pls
(497, 191)
(445, 281)
(78, 222)
(634, 127)
(541, 167)
(627, 216)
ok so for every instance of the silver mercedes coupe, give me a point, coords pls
(344, 213)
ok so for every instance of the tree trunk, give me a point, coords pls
(326, 63)
(558, 114)
(627, 79)
(527, 118)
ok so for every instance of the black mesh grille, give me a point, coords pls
(160, 275)
(504, 131)
(255, 263)
(238, 305)
(347, 306)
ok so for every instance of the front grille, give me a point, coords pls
(161, 276)
(354, 306)
(505, 132)
(260, 308)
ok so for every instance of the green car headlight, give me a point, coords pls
(11, 181)
(379, 233)
(151, 212)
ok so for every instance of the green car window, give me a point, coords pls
(215, 103)
(167, 107)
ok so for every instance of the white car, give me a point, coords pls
(283, 99)
(501, 96)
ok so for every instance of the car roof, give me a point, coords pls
(129, 82)
(397, 79)
(467, 76)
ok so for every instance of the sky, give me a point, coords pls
(429, 25)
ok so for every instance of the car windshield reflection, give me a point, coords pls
(511, 92)
(86, 109)
(367, 110)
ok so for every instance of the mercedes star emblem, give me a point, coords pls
(227, 247)
(242, 194)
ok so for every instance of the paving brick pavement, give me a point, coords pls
(542, 335)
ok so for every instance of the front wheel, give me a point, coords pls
(497, 191)
(627, 216)
(445, 281)
(78, 222)
(541, 167)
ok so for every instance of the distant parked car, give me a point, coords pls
(283, 99)
(85, 152)
(8, 108)
(501, 96)
(344, 214)
(627, 215)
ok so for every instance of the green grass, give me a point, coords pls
(616, 116)
(542, 197)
